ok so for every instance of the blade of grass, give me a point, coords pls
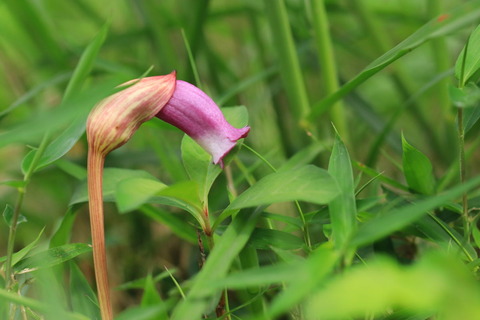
(328, 64)
(457, 19)
(289, 65)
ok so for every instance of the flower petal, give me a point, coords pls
(116, 118)
(196, 114)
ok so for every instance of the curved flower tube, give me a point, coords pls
(194, 112)
(114, 120)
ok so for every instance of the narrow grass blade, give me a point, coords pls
(397, 219)
(454, 20)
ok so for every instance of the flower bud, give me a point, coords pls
(116, 118)
(195, 113)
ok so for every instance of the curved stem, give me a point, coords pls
(95, 181)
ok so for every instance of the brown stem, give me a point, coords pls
(95, 181)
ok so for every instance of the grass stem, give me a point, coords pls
(327, 64)
(290, 70)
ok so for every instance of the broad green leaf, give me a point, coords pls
(130, 194)
(182, 195)
(471, 116)
(342, 209)
(461, 16)
(72, 169)
(63, 234)
(58, 147)
(150, 294)
(397, 219)
(8, 216)
(37, 305)
(111, 178)
(17, 256)
(199, 167)
(468, 63)
(465, 97)
(14, 183)
(436, 284)
(267, 238)
(178, 226)
(83, 298)
(304, 156)
(53, 256)
(63, 142)
(306, 183)
(417, 169)
(226, 249)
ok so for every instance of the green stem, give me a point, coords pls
(327, 64)
(95, 181)
(288, 60)
(462, 162)
(18, 207)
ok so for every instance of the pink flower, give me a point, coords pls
(195, 113)
(115, 119)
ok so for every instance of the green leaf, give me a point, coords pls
(436, 283)
(397, 219)
(14, 183)
(306, 183)
(63, 142)
(342, 209)
(310, 277)
(182, 195)
(471, 116)
(63, 234)
(85, 64)
(143, 313)
(140, 283)
(82, 297)
(465, 97)
(17, 256)
(417, 169)
(199, 167)
(468, 63)
(8, 216)
(111, 178)
(267, 238)
(226, 249)
(445, 236)
(37, 305)
(178, 226)
(304, 156)
(150, 294)
(458, 18)
(53, 256)
(130, 194)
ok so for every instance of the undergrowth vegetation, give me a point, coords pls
(354, 196)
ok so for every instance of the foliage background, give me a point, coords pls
(243, 61)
